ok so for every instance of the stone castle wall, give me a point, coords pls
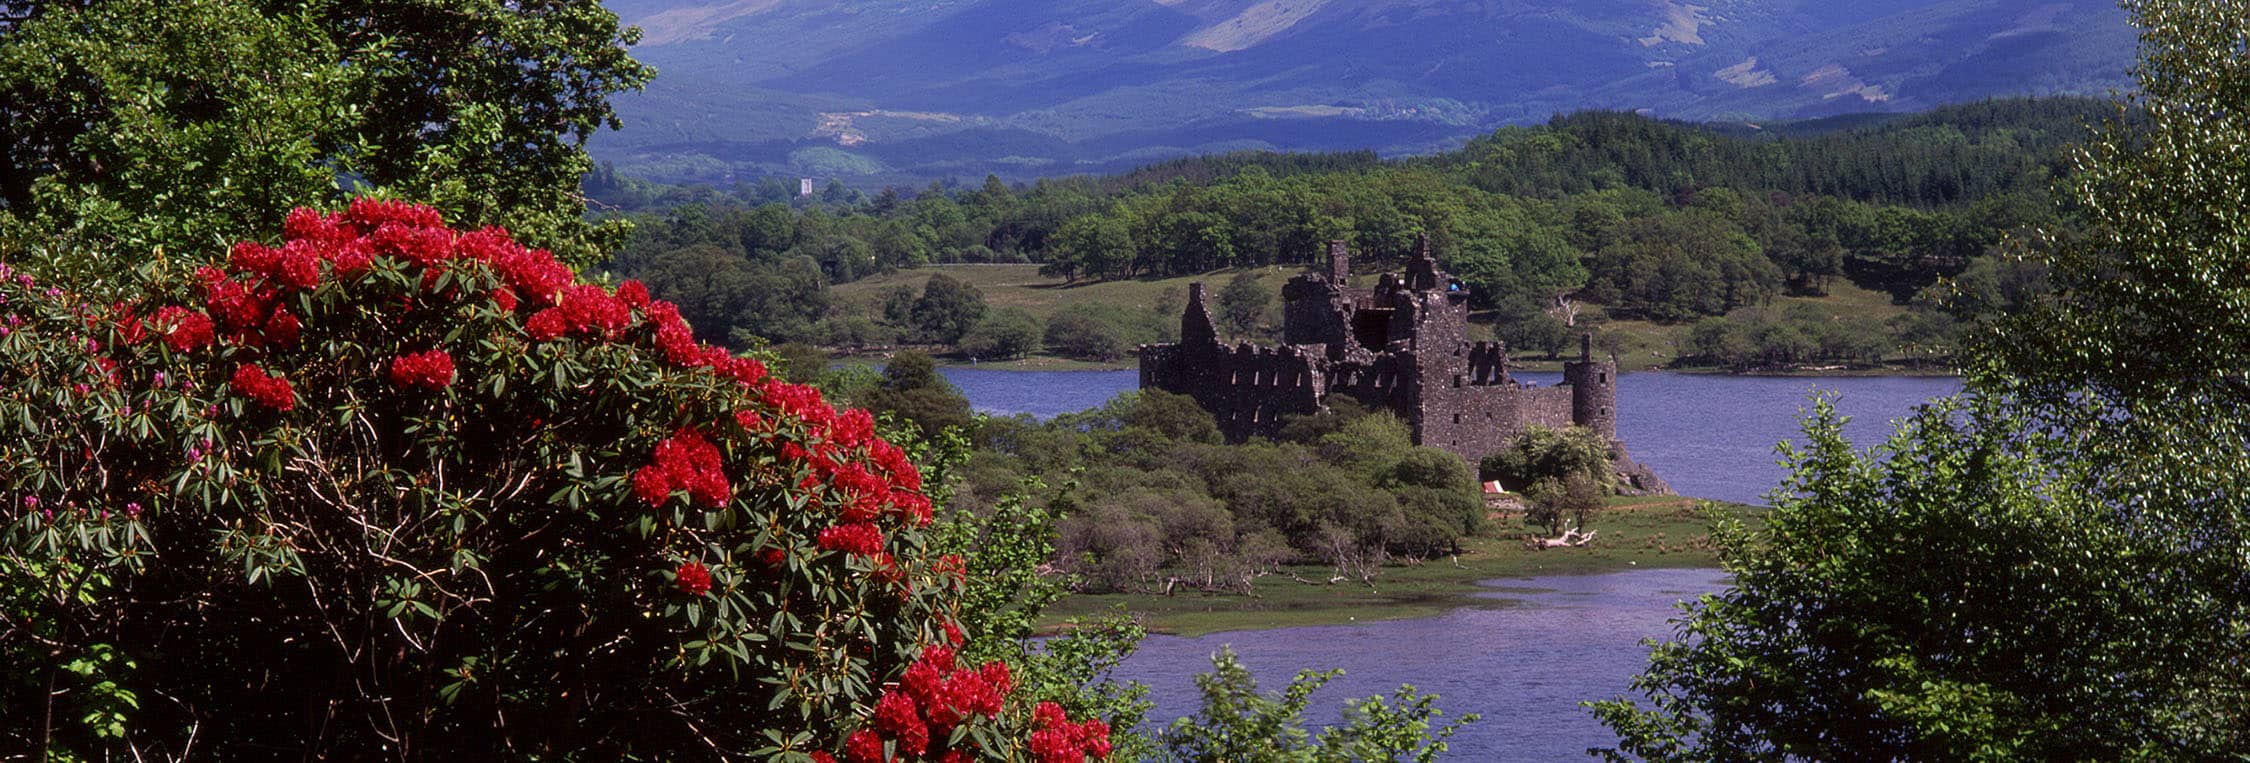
(1401, 348)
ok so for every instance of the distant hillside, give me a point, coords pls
(899, 92)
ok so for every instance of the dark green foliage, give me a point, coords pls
(1172, 417)
(1646, 219)
(736, 296)
(1243, 304)
(1676, 267)
(130, 125)
(947, 309)
(912, 390)
(1158, 502)
(1238, 723)
(1551, 501)
(1008, 333)
(1932, 600)
(1541, 454)
(1804, 334)
(2053, 568)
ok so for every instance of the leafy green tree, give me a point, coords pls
(1083, 335)
(1243, 304)
(1543, 454)
(947, 309)
(1009, 333)
(913, 390)
(1238, 723)
(128, 125)
(1554, 499)
(2051, 569)
(1175, 417)
(1930, 600)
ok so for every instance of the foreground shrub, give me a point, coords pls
(391, 490)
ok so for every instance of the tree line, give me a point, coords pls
(1650, 219)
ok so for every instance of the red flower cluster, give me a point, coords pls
(270, 391)
(1060, 741)
(861, 539)
(693, 578)
(925, 706)
(684, 461)
(183, 329)
(586, 310)
(430, 370)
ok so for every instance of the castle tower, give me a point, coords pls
(1422, 272)
(1593, 390)
(1195, 323)
(1314, 310)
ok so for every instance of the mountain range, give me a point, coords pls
(884, 91)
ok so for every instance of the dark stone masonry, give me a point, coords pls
(1400, 347)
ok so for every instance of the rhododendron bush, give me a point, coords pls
(387, 489)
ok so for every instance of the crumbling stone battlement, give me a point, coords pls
(1401, 347)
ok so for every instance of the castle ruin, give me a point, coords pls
(1401, 347)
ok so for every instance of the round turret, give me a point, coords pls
(1593, 390)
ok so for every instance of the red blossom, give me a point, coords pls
(423, 246)
(651, 485)
(270, 391)
(589, 309)
(633, 293)
(864, 746)
(368, 214)
(184, 330)
(545, 325)
(897, 716)
(996, 674)
(693, 578)
(429, 370)
(234, 305)
(505, 299)
(692, 463)
(282, 329)
(854, 428)
(861, 539)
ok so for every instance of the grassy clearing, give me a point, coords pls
(1634, 533)
(1646, 345)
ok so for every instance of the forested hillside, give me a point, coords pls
(1593, 216)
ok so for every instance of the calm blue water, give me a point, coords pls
(1524, 668)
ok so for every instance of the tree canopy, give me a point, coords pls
(2051, 568)
(127, 125)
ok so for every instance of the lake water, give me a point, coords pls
(1523, 668)
(1565, 639)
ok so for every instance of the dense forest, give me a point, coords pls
(1646, 219)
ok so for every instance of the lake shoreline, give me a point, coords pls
(1047, 363)
(1654, 532)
